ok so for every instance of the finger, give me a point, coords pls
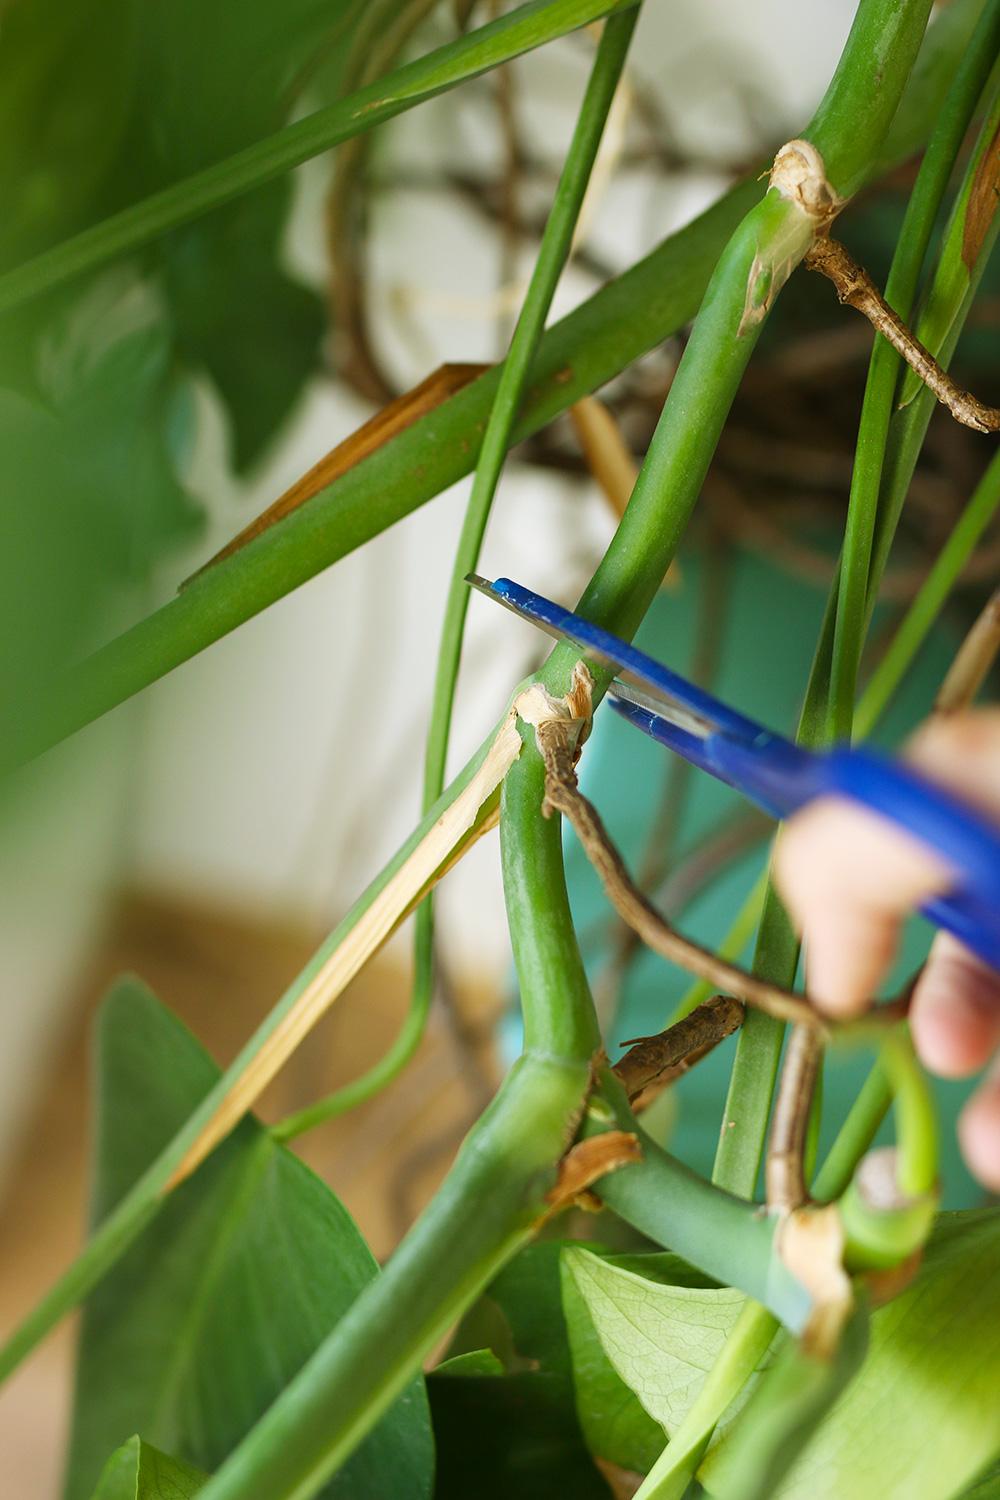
(955, 1011)
(848, 876)
(979, 1132)
(963, 752)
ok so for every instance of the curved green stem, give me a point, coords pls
(854, 1136)
(393, 1062)
(520, 31)
(916, 1125)
(552, 255)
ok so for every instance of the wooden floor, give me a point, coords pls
(221, 975)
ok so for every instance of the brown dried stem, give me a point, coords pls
(856, 288)
(654, 1062)
(974, 658)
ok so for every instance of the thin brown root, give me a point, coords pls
(974, 658)
(562, 795)
(856, 288)
(784, 1171)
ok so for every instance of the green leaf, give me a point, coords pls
(614, 1422)
(238, 316)
(138, 1471)
(217, 1306)
(67, 78)
(216, 80)
(923, 1417)
(476, 1362)
(661, 1339)
(500, 1436)
(513, 1430)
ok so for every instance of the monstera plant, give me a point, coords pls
(238, 1340)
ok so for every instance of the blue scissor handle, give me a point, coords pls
(781, 777)
(965, 840)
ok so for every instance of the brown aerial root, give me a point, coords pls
(558, 744)
(856, 288)
(561, 726)
(655, 1062)
(784, 1171)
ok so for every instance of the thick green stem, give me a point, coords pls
(480, 1216)
(616, 326)
(483, 1212)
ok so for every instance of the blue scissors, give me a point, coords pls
(780, 776)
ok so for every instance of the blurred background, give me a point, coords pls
(209, 833)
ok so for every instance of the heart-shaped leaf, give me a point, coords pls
(223, 1299)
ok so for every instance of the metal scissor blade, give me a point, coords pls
(657, 688)
(663, 707)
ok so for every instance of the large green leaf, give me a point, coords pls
(237, 315)
(223, 1299)
(661, 1338)
(212, 80)
(67, 77)
(923, 1417)
(138, 1471)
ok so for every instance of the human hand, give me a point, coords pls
(849, 877)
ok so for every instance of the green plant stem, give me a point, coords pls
(484, 1211)
(887, 452)
(617, 325)
(552, 255)
(913, 1106)
(854, 1137)
(755, 1066)
(742, 1352)
(520, 31)
(900, 292)
(792, 1399)
(916, 623)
